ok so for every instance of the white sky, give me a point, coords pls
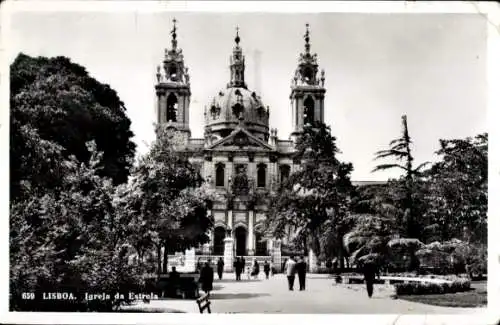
(431, 67)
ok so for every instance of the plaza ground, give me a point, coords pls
(321, 296)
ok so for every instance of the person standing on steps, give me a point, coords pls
(301, 272)
(220, 267)
(267, 268)
(290, 272)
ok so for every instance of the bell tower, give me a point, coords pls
(308, 91)
(173, 91)
(237, 65)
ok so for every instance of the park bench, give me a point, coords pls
(204, 303)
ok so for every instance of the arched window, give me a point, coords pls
(219, 175)
(261, 175)
(171, 108)
(308, 74)
(308, 111)
(284, 172)
(219, 235)
(173, 71)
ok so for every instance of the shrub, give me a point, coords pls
(423, 288)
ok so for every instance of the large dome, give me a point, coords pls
(233, 106)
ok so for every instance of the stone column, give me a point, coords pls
(230, 219)
(276, 254)
(250, 237)
(228, 254)
(229, 174)
(163, 108)
(312, 262)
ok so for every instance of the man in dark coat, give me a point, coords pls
(237, 268)
(173, 279)
(220, 267)
(267, 268)
(369, 271)
(301, 268)
(255, 269)
(243, 264)
(207, 277)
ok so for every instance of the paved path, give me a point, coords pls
(321, 296)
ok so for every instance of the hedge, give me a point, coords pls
(423, 288)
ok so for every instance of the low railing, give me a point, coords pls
(205, 258)
(248, 259)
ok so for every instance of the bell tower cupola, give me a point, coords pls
(237, 65)
(173, 90)
(307, 90)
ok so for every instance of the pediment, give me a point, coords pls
(241, 139)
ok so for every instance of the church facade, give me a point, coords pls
(240, 156)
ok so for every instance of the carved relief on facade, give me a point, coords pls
(240, 217)
(260, 218)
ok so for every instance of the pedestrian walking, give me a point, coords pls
(220, 267)
(267, 269)
(173, 285)
(237, 268)
(369, 271)
(290, 272)
(301, 268)
(255, 269)
(207, 277)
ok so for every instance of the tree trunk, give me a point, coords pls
(165, 259)
(340, 252)
(158, 254)
(306, 253)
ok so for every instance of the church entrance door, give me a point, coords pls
(240, 235)
(219, 235)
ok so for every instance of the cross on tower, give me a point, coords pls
(306, 37)
(237, 39)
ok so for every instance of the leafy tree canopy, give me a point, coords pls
(166, 199)
(72, 240)
(61, 103)
(458, 195)
(313, 200)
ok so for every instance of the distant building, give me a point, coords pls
(238, 143)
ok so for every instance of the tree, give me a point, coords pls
(70, 241)
(314, 200)
(59, 101)
(166, 201)
(400, 149)
(458, 196)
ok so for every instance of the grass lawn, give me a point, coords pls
(476, 297)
